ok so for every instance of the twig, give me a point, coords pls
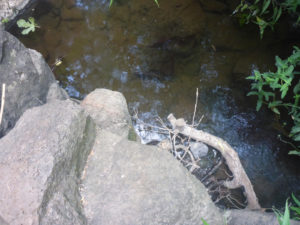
(230, 199)
(162, 123)
(193, 163)
(216, 167)
(200, 120)
(237, 201)
(2, 102)
(195, 108)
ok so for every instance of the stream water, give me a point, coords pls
(158, 57)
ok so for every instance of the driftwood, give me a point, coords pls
(2, 102)
(240, 178)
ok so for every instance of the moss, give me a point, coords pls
(132, 136)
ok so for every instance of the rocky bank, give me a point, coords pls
(67, 163)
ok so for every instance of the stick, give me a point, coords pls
(2, 102)
(229, 154)
(195, 108)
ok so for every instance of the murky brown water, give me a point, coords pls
(157, 57)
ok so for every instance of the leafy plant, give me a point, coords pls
(296, 208)
(28, 26)
(284, 219)
(272, 89)
(265, 13)
(5, 20)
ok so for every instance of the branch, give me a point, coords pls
(2, 102)
(240, 177)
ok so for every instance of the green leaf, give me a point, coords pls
(274, 103)
(265, 6)
(29, 26)
(295, 129)
(31, 20)
(244, 7)
(284, 89)
(111, 2)
(26, 31)
(5, 20)
(268, 94)
(294, 152)
(22, 23)
(250, 77)
(296, 200)
(252, 93)
(290, 70)
(279, 63)
(277, 15)
(296, 137)
(258, 105)
(275, 110)
(296, 209)
(204, 222)
(156, 1)
(296, 88)
(286, 216)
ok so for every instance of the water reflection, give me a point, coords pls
(157, 57)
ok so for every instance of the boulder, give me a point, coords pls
(27, 78)
(41, 160)
(125, 182)
(109, 110)
(2, 222)
(55, 92)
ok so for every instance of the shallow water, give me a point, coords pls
(158, 57)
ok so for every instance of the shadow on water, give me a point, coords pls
(157, 57)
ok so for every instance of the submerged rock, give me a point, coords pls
(199, 149)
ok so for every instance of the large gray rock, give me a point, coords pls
(41, 161)
(55, 92)
(109, 110)
(27, 78)
(125, 182)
